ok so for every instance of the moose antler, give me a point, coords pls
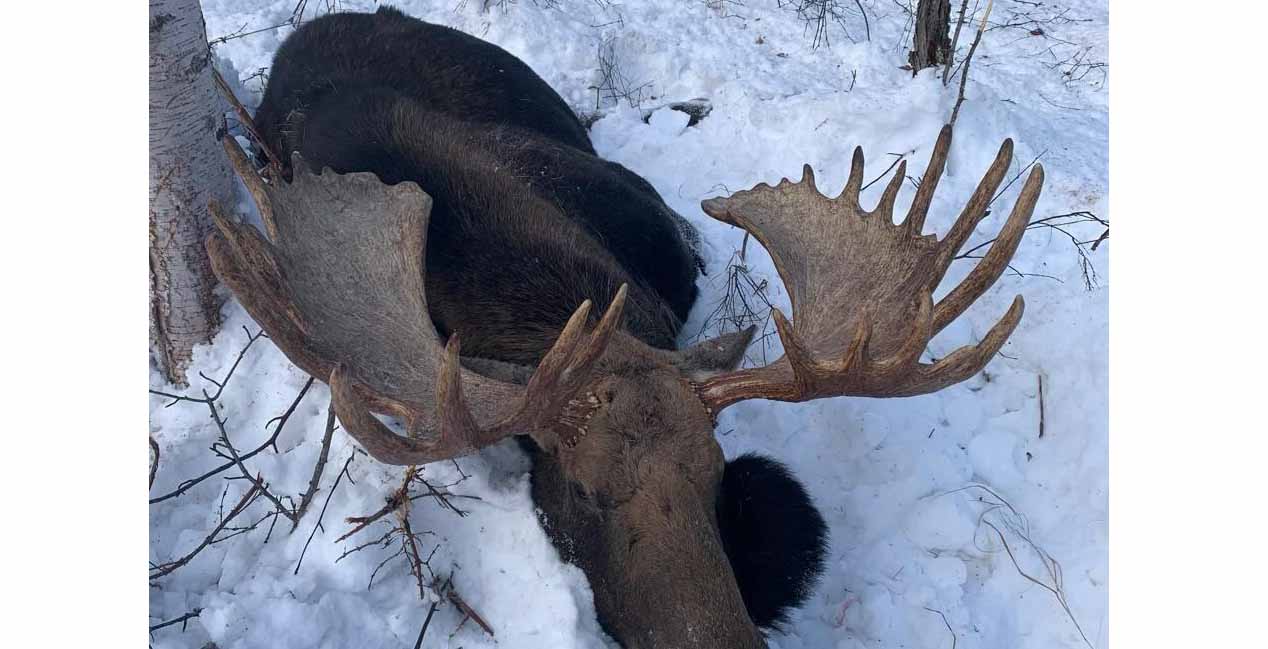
(340, 291)
(862, 287)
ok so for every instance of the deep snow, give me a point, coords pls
(910, 487)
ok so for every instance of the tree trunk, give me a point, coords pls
(931, 46)
(188, 168)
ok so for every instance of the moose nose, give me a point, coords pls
(679, 574)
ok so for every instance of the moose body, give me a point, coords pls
(370, 284)
(526, 223)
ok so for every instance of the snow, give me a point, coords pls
(910, 487)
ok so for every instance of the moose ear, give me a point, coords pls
(715, 355)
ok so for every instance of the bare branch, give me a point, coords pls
(154, 447)
(466, 609)
(177, 398)
(318, 467)
(167, 568)
(322, 515)
(964, 74)
(182, 620)
(955, 41)
(271, 441)
(944, 621)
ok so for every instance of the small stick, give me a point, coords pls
(257, 480)
(323, 511)
(1056, 590)
(866, 24)
(893, 164)
(154, 463)
(964, 74)
(180, 620)
(427, 622)
(271, 441)
(220, 385)
(944, 621)
(955, 40)
(171, 566)
(1040, 406)
(466, 609)
(1103, 237)
(318, 468)
(362, 522)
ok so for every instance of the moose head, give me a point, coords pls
(627, 471)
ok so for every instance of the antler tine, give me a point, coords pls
(602, 333)
(854, 185)
(561, 353)
(915, 221)
(564, 369)
(458, 430)
(255, 184)
(968, 360)
(455, 417)
(992, 265)
(975, 209)
(247, 244)
(808, 176)
(885, 207)
(908, 354)
(799, 357)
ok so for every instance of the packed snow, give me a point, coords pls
(920, 494)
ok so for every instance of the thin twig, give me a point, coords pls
(1060, 222)
(955, 41)
(897, 159)
(257, 479)
(322, 515)
(964, 74)
(318, 468)
(466, 609)
(169, 567)
(1016, 177)
(220, 385)
(362, 522)
(426, 622)
(154, 462)
(1040, 406)
(182, 620)
(1017, 523)
(1054, 572)
(271, 441)
(866, 25)
(944, 621)
(383, 541)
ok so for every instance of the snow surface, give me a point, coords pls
(910, 487)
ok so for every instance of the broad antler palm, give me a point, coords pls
(861, 287)
(340, 290)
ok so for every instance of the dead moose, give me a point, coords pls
(459, 199)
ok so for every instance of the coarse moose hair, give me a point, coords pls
(773, 535)
(526, 222)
